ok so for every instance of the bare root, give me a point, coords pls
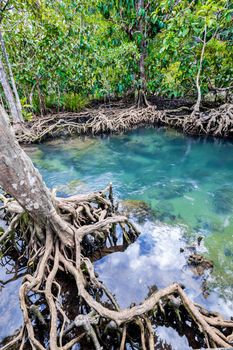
(216, 122)
(89, 215)
(92, 122)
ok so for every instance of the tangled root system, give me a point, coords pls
(91, 216)
(216, 122)
(90, 122)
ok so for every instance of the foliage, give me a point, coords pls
(63, 51)
(180, 44)
(74, 102)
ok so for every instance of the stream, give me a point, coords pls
(177, 189)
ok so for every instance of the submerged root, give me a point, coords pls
(90, 216)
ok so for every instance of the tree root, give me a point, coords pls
(48, 258)
(216, 122)
(89, 122)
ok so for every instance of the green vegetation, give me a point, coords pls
(64, 53)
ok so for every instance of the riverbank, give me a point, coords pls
(117, 118)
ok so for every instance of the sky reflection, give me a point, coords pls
(154, 260)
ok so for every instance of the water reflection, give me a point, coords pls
(186, 183)
(155, 259)
(169, 339)
(10, 313)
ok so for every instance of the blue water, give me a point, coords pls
(185, 184)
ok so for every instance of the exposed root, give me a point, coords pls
(50, 257)
(92, 122)
(216, 122)
(123, 339)
(141, 100)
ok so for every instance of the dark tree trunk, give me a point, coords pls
(41, 100)
(142, 75)
(198, 102)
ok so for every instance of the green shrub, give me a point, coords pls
(74, 102)
(69, 101)
(26, 110)
(52, 101)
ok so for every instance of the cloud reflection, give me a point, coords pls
(154, 260)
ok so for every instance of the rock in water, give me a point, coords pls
(199, 264)
(139, 209)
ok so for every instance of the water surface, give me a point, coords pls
(186, 185)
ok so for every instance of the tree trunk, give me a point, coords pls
(18, 103)
(141, 96)
(141, 100)
(9, 95)
(142, 74)
(198, 102)
(41, 103)
(22, 180)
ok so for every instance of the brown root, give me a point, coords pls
(89, 215)
(89, 122)
(216, 122)
(141, 101)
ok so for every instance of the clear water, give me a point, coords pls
(187, 186)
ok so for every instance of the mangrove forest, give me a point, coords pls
(116, 174)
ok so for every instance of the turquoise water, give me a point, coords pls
(186, 187)
(186, 182)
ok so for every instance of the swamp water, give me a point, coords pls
(177, 189)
